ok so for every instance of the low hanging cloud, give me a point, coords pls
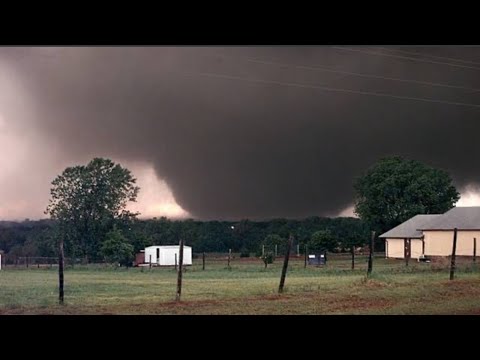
(237, 132)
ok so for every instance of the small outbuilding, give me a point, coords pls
(432, 235)
(407, 240)
(140, 258)
(167, 255)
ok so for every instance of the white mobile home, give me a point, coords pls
(166, 255)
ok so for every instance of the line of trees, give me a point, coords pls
(38, 238)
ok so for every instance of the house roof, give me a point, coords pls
(410, 228)
(462, 218)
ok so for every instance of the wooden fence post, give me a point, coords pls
(474, 250)
(306, 255)
(370, 257)
(61, 263)
(285, 264)
(229, 256)
(407, 250)
(454, 250)
(353, 257)
(203, 261)
(179, 277)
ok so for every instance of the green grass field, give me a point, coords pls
(246, 289)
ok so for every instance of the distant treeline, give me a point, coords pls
(39, 238)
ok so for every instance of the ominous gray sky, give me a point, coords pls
(235, 132)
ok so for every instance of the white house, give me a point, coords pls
(432, 235)
(166, 255)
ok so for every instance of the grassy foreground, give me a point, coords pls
(245, 289)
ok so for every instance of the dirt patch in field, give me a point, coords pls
(291, 304)
(460, 288)
(374, 284)
(471, 312)
(220, 302)
(268, 304)
(361, 304)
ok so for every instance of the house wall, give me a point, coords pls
(396, 248)
(416, 248)
(440, 243)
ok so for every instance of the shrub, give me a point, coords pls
(116, 248)
(244, 253)
(268, 258)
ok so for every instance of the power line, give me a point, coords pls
(322, 68)
(428, 55)
(324, 88)
(406, 57)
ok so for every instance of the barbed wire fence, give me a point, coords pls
(13, 261)
(465, 259)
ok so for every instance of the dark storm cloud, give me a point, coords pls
(234, 137)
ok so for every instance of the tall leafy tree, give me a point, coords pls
(273, 239)
(241, 233)
(86, 201)
(395, 189)
(351, 232)
(323, 240)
